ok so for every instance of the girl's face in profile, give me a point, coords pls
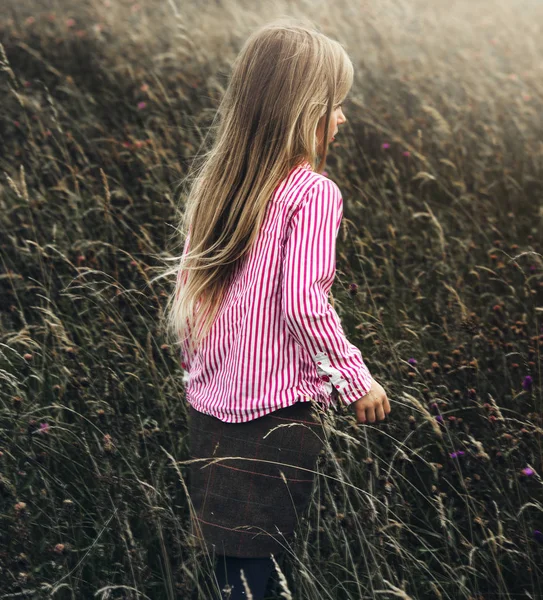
(336, 118)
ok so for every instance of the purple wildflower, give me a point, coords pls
(528, 471)
(141, 105)
(527, 382)
(412, 361)
(455, 454)
(385, 146)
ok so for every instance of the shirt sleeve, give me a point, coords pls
(308, 274)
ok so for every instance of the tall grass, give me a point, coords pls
(440, 283)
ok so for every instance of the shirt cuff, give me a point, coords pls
(354, 390)
(349, 389)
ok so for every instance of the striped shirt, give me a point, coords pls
(276, 339)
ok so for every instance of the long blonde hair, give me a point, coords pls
(286, 79)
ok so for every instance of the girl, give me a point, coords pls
(262, 348)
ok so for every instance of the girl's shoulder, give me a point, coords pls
(316, 189)
(302, 183)
(318, 185)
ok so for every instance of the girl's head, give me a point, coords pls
(286, 90)
(282, 106)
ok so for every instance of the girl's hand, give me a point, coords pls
(373, 404)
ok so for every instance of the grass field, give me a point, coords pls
(439, 283)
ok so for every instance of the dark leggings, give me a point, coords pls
(257, 573)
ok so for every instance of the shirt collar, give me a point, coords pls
(306, 165)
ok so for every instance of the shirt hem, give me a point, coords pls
(326, 403)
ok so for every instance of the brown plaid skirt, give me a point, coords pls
(245, 507)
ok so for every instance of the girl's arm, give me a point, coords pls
(308, 273)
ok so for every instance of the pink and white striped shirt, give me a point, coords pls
(276, 339)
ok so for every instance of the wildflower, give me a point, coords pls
(456, 454)
(141, 105)
(44, 428)
(30, 20)
(406, 153)
(59, 548)
(527, 383)
(528, 471)
(108, 443)
(412, 361)
(144, 87)
(70, 22)
(385, 146)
